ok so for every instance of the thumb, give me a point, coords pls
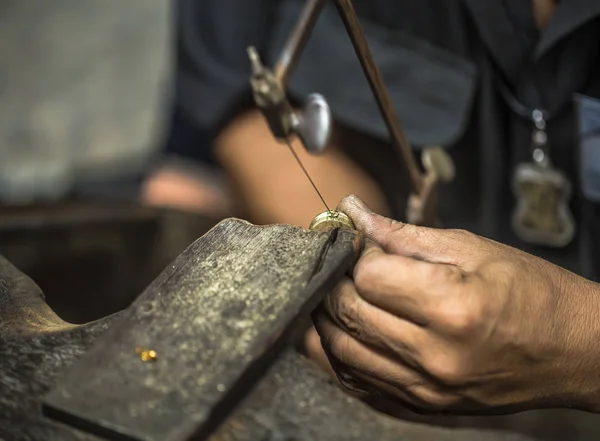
(398, 237)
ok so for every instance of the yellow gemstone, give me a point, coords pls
(146, 354)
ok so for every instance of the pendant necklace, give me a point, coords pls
(542, 215)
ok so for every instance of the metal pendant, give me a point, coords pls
(542, 215)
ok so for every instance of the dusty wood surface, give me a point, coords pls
(35, 347)
(216, 318)
(292, 400)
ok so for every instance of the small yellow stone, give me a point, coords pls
(146, 354)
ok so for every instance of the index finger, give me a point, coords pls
(403, 286)
(431, 244)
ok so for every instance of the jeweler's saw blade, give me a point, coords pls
(289, 144)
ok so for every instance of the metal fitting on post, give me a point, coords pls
(270, 98)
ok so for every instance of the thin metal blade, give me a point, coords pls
(289, 144)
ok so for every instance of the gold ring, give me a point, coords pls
(331, 219)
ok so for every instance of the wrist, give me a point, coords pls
(581, 355)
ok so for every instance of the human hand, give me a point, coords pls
(444, 320)
(195, 189)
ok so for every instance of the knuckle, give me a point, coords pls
(348, 315)
(419, 233)
(449, 371)
(334, 298)
(338, 347)
(460, 318)
(442, 273)
(395, 226)
(434, 239)
(397, 345)
(435, 400)
(366, 271)
(460, 234)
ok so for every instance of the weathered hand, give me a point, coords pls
(444, 320)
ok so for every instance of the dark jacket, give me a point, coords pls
(451, 67)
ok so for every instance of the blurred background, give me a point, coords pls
(83, 86)
(127, 130)
(84, 92)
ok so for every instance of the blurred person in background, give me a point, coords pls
(482, 79)
(216, 127)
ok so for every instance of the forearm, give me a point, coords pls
(270, 183)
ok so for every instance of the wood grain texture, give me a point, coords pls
(35, 347)
(292, 400)
(216, 318)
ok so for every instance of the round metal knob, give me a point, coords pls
(436, 160)
(313, 123)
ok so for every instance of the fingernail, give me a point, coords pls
(359, 204)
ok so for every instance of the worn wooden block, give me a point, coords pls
(292, 400)
(35, 346)
(216, 318)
